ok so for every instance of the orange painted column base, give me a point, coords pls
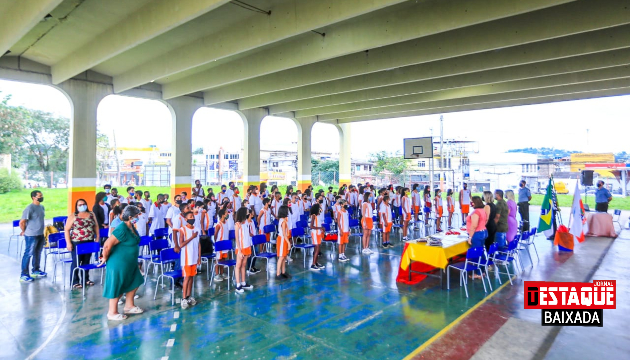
(76, 193)
(178, 188)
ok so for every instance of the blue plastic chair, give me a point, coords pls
(61, 219)
(486, 261)
(527, 241)
(161, 233)
(54, 250)
(304, 217)
(261, 240)
(167, 256)
(59, 256)
(473, 258)
(224, 245)
(507, 257)
(353, 224)
(156, 247)
(144, 255)
(269, 229)
(15, 234)
(207, 258)
(103, 233)
(88, 247)
(231, 235)
(299, 233)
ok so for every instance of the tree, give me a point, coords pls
(383, 162)
(12, 127)
(324, 165)
(103, 153)
(45, 142)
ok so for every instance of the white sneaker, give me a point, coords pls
(343, 258)
(225, 276)
(218, 278)
(184, 304)
(289, 259)
(192, 301)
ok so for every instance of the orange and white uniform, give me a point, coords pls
(405, 203)
(316, 235)
(221, 233)
(450, 203)
(465, 199)
(265, 219)
(243, 239)
(416, 200)
(206, 221)
(283, 246)
(385, 214)
(439, 209)
(275, 206)
(189, 254)
(366, 216)
(221, 196)
(427, 203)
(344, 226)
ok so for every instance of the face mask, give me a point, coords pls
(223, 190)
(134, 221)
(82, 208)
(41, 199)
(191, 221)
(131, 194)
(198, 185)
(178, 202)
(321, 201)
(345, 207)
(107, 191)
(105, 198)
(236, 192)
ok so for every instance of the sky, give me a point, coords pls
(594, 125)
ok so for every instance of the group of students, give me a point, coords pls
(188, 219)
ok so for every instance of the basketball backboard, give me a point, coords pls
(417, 148)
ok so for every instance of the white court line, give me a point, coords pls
(356, 324)
(164, 358)
(173, 327)
(54, 330)
(170, 342)
(176, 315)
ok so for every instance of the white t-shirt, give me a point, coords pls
(386, 211)
(171, 214)
(141, 225)
(189, 254)
(157, 214)
(294, 215)
(201, 195)
(256, 202)
(104, 207)
(146, 204)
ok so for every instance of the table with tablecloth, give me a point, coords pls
(420, 257)
(600, 224)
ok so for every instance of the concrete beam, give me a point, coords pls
(319, 105)
(483, 99)
(490, 105)
(555, 22)
(392, 25)
(287, 19)
(151, 20)
(20, 18)
(347, 110)
(560, 48)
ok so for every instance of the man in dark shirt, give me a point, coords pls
(502, 219)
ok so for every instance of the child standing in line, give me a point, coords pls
(439, 210)
(367, 222)
(317, 234)
(243, 249)
(415, 202)
(344, 229)
(405, 204)
(450, 204)
(427, 205)
(221, 233)
(282, 245)
(190, 258)
(385, 215)
(264, 217)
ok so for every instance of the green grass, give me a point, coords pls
(56, 201)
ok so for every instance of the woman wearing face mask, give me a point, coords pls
(120, 252)
(81, 226)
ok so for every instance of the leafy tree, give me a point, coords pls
(103, 153)
(324, 165)
(383, 162)
(8, 181)
(12, 127)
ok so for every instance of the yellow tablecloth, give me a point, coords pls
(435, 256)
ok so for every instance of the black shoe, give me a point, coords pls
(390, 245)
(255, 271)
(314, 268)
(247, 286)
(320, 265)
(178, 285)
(285, 275)
(280, 277)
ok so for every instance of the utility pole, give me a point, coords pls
(442, 175)
(117, 162)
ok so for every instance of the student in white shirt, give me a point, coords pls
(146, 201)
(385, 215)
(198, 193)
(236, 200)
(416, 201)
(190, 257)
(156, 215)
(276, 203)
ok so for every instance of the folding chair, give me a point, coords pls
(206, 258)
(15, 234)
(526, 241)
(224, 245)
(260, 240)
(486, 261)
(143, 256)
(167, 256)
(353, 224)
(330, 238)
(473, 258)
(88, 247)
(60, 220)
(60, 257)
(54, 249)
(617, 218)
(156, 247)
(162, 233)
(504, 258)
(299, 233)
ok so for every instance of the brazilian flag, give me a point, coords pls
(546, 210)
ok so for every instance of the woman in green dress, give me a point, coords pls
(120, 252)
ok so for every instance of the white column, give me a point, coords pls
(345, 171)
(305, 127)
(252, 119)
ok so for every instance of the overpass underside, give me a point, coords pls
(335, 62)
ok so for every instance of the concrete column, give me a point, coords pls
(252, 119)
(182, 109)
(84, 97)
(305, 127)
(345, 172)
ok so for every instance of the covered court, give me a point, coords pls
(333, 62)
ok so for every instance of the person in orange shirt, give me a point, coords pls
(405, 204)
(366, 221)
(317, 234)
(343, 229)
(439, 210)
(450, 205)
(243, 249)
(282, 245)
(221, 233)
(190, 257)
(385, 215)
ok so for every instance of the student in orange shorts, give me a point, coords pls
(450, 206)
(416, 200)
(221, 233)
(243, 249)
(343, 230)
(405, 204)
(366, 221)
(282, 245)
(385, 215)
(439, 210)
(190, 257)
(317, 234)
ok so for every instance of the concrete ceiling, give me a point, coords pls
(338, 61)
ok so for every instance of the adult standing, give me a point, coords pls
(198, 192)
(491, 211)
(512, 223)
(502, 219)
(32, 226)
(156, 214)
(464, 202)
(101, 210)
(602, 197)
(81, 227)
(120, 252)
(524, 197)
